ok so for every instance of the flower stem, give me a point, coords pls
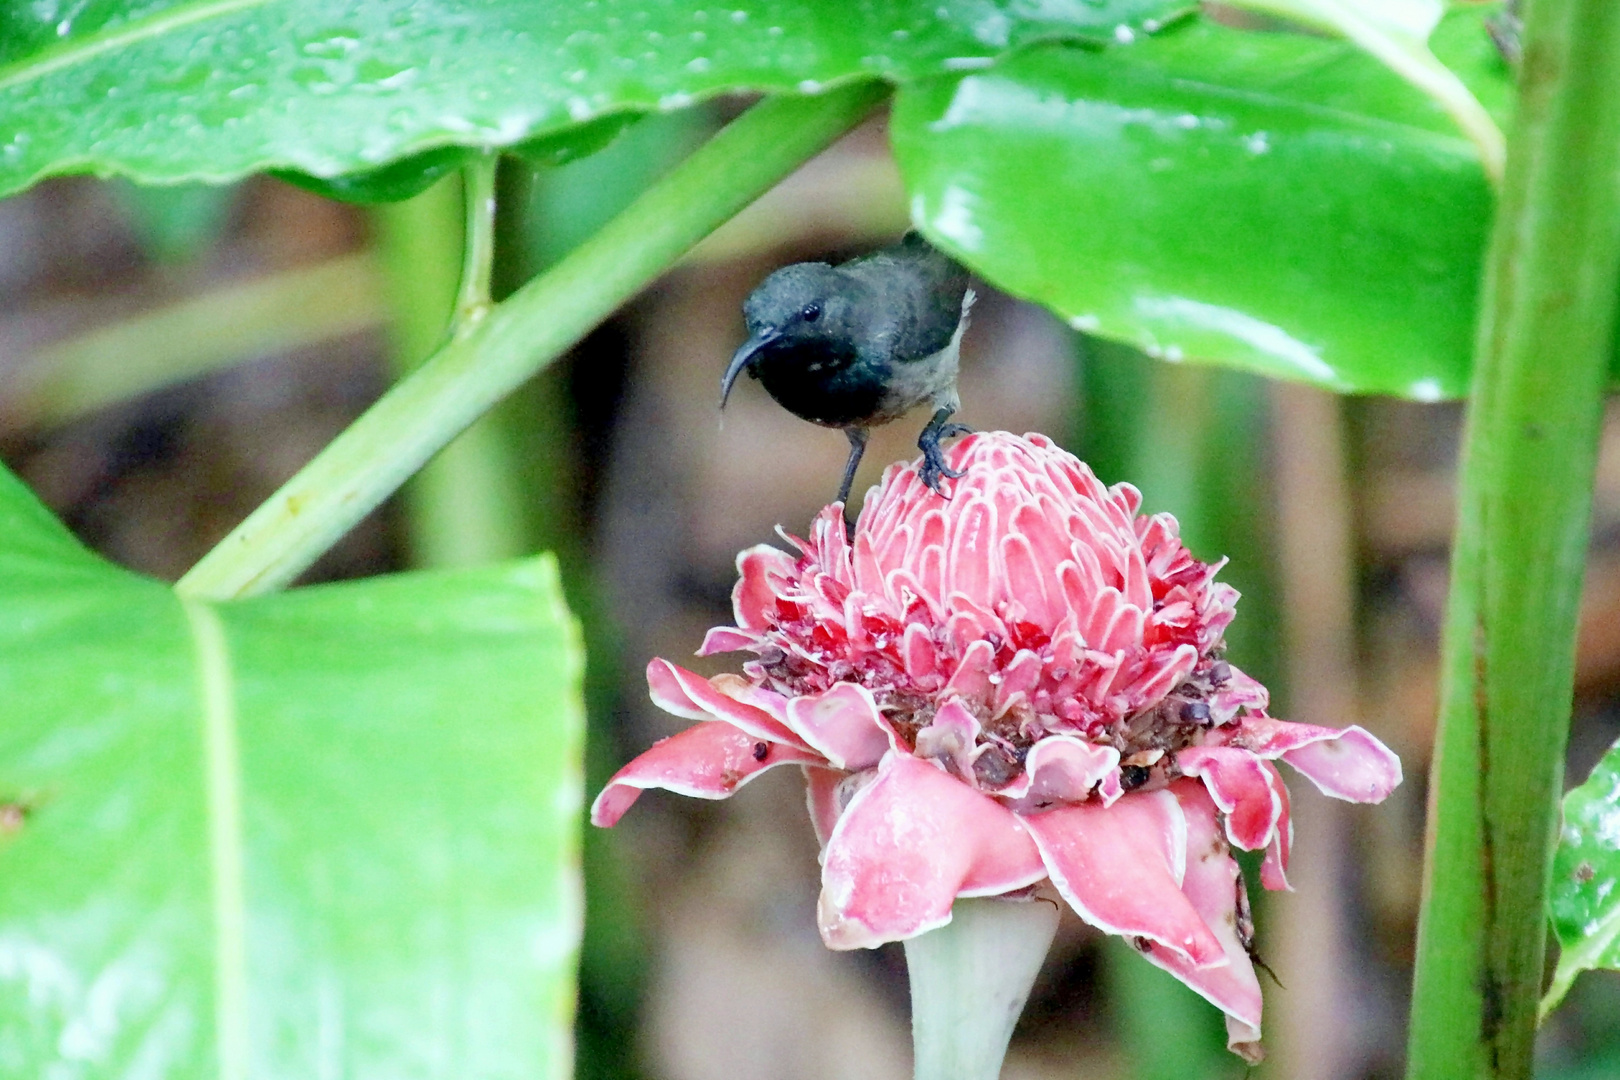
(1523, 511)
(519, 336)
(969, 981)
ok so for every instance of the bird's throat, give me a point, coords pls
(820, 383)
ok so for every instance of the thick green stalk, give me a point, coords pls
(1523, 507)
(518, 337)
(465, 507)
(969, 981)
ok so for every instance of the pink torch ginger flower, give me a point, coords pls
(1018, 684)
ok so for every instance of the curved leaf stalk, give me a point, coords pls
(478, 265)
(969, 981)
(466, 506)
(1523, 512)
(518, 337)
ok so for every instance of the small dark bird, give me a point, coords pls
(860, 344)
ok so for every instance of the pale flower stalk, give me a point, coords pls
(1020, 684)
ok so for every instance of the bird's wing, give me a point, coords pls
(920, 293)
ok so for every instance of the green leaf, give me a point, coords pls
(1584, 903)
(568, 205)
(331, 832)
(409, 177)
(1272, 202)
(169, 90)
(580, 141)
(1397, 33)
(394, 182)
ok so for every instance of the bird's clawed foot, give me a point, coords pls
(934, 468)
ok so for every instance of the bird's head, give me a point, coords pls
(803, 306)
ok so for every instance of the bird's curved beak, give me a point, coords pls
(741, 359)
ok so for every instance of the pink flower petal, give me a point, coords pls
(1025, 582)
(1212, 885)
(1239, 691)
(821, 795)
(949, 738)
(1121, 867)
(1138, 592)
(740, 689)
(1355, 766)
(907, 846)
(723, 639)
(843, 724)
(753, 599)
(1062, 768)
(972, 676)
(1247, 792)
(971, 549)
(1171, 670)
(708, 761)
(1021, 676)
(685, 693)
(918, 651)
(830, 545)
(1346, 763)
(1274, 870)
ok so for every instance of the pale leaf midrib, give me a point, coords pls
(58, 57)
(223, 804)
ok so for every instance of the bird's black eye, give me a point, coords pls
(811, 312)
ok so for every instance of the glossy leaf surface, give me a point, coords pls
(1272, 202)
(171, 90)
(1585, 900)
(1397, 33)
(331, 832)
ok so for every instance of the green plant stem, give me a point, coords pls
(478, 241)
(415, 419)
(1523, 510)
(211, 330)
(969, 981)
(466, 506)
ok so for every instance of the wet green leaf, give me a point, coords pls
(332, 832)
(409, 177)
(169, 90)
(394, 182)
(1396, 32)
(1584, 903)
(1272, 202)
(580, 141)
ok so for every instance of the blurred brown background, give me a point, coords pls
(167, 358)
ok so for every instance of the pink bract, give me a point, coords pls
(1020, 683)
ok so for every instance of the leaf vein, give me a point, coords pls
(223, 784)
(54, 59)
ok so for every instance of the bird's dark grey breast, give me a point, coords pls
(820, 383)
